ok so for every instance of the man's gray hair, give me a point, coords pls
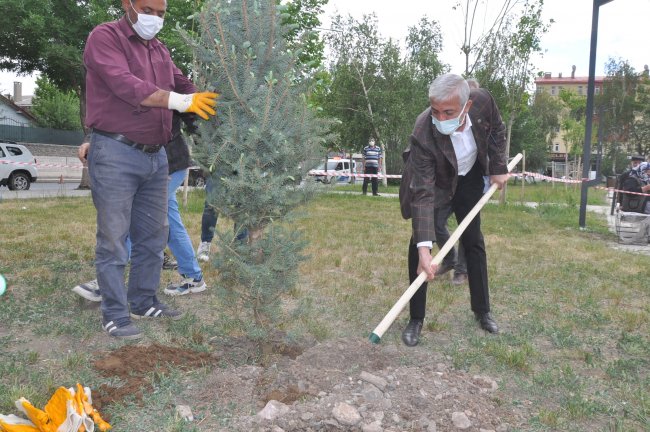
(448, 86)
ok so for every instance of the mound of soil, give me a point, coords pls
(344, 384)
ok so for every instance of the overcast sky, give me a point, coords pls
(622, 32)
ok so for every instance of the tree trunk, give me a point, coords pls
(511, 120)
(382, 168)
(85, 179)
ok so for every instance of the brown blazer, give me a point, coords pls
(431, 170)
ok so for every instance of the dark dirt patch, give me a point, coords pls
(133, 364)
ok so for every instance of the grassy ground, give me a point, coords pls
(574, 351)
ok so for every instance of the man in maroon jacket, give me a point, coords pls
(132, 86)
(455, 142)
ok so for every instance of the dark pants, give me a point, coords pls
(468, 192)
(210, 217)
(457, 261)
(375, 182)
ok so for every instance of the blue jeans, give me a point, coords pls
(179, 242)
(129, 190)
(210, 217)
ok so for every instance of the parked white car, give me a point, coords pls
(342, 166)
(16, 171)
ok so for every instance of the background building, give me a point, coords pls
(553, 86)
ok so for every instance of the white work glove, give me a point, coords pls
(13, 423)
(199, 103)
(73, 420)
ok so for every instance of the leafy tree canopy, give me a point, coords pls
(55, 108)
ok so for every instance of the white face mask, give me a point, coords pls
(447, 127)
(147, 26)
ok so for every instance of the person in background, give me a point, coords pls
(637, 182)
(132, 88)
(635, 161)
(209, 224)
(371, 164)
(455, 142)
(178, 157)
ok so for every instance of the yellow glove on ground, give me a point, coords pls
(68, 410)
(199, 103)
(12, 423)
(85, 401)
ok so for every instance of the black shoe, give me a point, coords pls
(459, 278)
(487, 323)
(442, 269)
(411, 334)
(376, 194)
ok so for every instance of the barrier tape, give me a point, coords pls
(348, 174)
(552, 179)
(6, 162)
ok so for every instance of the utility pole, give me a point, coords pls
(586, 152)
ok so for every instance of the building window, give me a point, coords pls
(553, 90)
(556, 147)
(580, 90)
(597, 90)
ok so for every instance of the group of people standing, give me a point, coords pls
(136, 101)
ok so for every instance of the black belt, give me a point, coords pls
(124, 140)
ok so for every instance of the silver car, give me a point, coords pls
(17, 170)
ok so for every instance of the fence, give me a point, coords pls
(11, 130)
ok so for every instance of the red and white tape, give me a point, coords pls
(349, 174)
(552, 179)
(6, 162)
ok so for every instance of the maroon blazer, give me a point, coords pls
(432, 161)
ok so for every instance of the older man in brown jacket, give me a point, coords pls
(454, 143)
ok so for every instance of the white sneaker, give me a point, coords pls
(203, 252)
(89, 291)
(187, 286)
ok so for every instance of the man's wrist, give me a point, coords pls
(179, 102)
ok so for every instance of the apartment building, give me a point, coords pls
(552, 86)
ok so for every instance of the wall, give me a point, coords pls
(51, 154)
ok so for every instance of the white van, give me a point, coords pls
(342, 166)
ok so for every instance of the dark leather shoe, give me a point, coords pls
(411, 334)
(459, 278)
(487, 323)
(442, 269)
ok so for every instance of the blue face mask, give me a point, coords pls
(447, 127)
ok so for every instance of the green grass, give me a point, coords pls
(574, 313)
